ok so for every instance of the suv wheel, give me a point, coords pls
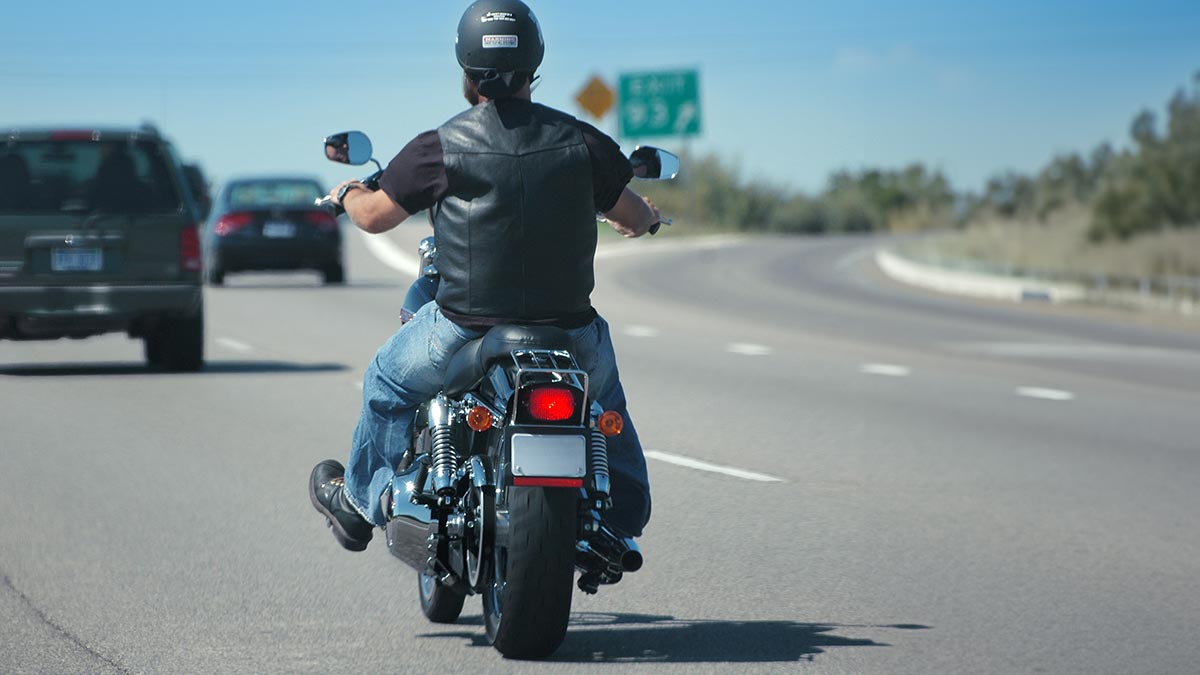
(177, 344)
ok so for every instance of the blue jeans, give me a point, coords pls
(408, 370)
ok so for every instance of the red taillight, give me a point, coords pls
(551, 404)
(232, 222)
(75, 135)
(526, 481)
(189, 249)
(323, 221)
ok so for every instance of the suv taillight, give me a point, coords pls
(189, 249)
(232, 222)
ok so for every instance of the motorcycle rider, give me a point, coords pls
(513, 187)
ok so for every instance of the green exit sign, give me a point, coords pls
(663, 103)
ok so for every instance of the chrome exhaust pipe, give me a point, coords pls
(615, 553)
(410, 527)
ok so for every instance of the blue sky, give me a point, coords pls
(790, 91)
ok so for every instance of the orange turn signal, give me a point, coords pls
(479, 419)
(610, 423)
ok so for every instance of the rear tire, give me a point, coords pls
(177, 343)
(527, 605)
(216, 272)
(439, 603)
(335, 274)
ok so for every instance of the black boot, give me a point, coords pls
(327, 489)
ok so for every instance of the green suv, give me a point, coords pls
(98, 234)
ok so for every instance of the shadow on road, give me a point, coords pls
(635, 638)
(310, 286)
(210, 368)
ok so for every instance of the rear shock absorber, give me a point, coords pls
(445, 459)
(598, 464)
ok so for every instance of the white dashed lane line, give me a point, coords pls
(690, 463)
(886, 369)
(1045, 394)
(748, 349)
(230, 343)
(641, 331)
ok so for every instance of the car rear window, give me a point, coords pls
(259, 194)
(85, 176)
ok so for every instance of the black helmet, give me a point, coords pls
(499, 45)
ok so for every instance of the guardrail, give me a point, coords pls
(971, 277)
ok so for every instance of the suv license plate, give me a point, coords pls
(279, 230)
(83, 259)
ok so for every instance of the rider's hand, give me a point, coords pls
(653, 210)
(337, 189)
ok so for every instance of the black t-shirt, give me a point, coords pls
(416, 177)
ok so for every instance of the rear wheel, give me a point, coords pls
(335, 274)
(527, 605)
(439, 603)
(216, 271)
(177, 343)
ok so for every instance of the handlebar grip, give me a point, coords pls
(328, 205)
(654, 228)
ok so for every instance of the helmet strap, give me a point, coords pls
(494, 85)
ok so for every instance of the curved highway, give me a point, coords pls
(849, 477)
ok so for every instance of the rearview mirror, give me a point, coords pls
(651, 163)
(348, 147)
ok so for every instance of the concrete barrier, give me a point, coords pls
(976, 284)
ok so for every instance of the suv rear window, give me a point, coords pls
(51, 176)
(260, 194)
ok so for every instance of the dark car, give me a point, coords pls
(272, 224)
(98, 233)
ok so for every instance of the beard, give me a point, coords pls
(470, 90)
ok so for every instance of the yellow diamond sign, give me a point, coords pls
(596, 97)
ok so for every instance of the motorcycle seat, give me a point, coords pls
(470, 364)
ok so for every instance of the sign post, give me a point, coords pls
(662, 103)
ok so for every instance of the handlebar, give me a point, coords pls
(371, 182)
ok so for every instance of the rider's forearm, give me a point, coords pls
(373, 212)
(631, 215)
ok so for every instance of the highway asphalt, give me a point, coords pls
(849, 477)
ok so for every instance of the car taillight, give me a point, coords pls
(189, 249)
(550, 404)
(326, 222)
(232, 222)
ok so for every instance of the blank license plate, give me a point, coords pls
(279, 230)
(82, 259)
(536, 455)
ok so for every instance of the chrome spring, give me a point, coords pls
(445, 461)
(598, 460)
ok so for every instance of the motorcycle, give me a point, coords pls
(503, 490)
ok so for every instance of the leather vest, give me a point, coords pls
(516, 231)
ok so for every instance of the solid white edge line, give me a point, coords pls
(713, 468)
(1045, 394)
(388, 253)
(230, 343)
